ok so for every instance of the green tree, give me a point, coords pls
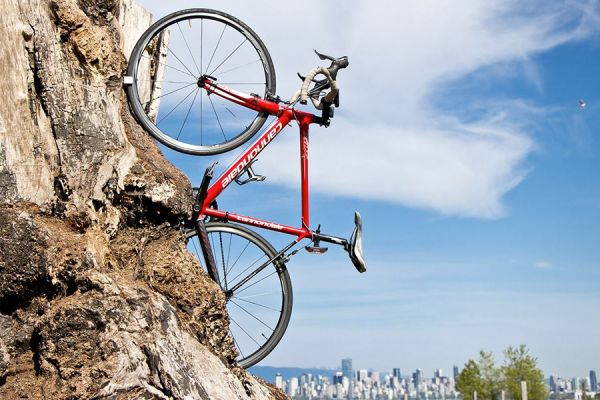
(469, 380)
(491, 376)
(519, 366)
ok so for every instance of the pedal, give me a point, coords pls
(316, 249)
(355, 245)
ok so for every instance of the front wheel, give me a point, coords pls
(166, 69)
(260, 310)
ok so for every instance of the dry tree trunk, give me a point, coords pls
(99, 297)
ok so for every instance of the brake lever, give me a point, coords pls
(336, 63)
(324, 56)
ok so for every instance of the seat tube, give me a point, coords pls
(304, 124)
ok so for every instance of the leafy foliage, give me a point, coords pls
(521, 366)
(469, 380)
(488, 380)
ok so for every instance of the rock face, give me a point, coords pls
(99, 297)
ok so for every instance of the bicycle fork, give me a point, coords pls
(209, 260)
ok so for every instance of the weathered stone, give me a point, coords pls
(99, 297)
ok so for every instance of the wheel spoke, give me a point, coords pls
(238, 67)
(253, 316)
(257, 295)
(230, 112)
(230, 54)
(178, 59)
(258, 304)
(243, 330)
(196, 248)
(166, 94)
(248, 267)
(154, 80)
(238, 257)
(216, 115)
(258, 281)
(215, 50)
(169, 66)
(177, 105)
(236, 344)
(188, 47)
(188, 113)
(228, 254)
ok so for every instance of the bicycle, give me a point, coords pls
(249, 270)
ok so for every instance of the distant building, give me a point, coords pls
(593, 381)
(438, 373)
(553, 384)
(337, 378)
(417, 377)
(396, 373)
(347, 368)
(279, 381)
(374, 375)
(455, 373)
(293, 387)
(362, 375)
(575, 384)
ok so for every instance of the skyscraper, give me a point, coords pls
(362, 375)
(417, 377)
(396, 373)
(347, 368)
(337, 378)
(593, 381)
(374, 375)
(455, 373)
(293, 387)
(553, 385)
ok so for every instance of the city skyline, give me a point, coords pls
(590, 377)
(367, 382)
(463, 140)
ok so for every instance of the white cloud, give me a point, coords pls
(542, 264)
(392, 140)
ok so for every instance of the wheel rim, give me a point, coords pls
(179, 50)
(259, 311)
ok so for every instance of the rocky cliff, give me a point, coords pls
(99, 297)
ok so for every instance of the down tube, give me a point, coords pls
(237, 167)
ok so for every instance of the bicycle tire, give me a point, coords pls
(251, 243)
(154, 41)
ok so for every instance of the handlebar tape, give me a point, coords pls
(303, 92)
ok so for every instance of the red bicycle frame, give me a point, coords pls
(285, 116)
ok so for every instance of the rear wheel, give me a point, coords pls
(166, 65)
(260, 310)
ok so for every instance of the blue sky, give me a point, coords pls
(461, 141)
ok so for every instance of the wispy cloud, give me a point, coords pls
(400, 135)
(542, 264)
